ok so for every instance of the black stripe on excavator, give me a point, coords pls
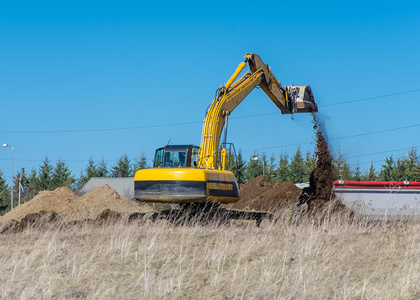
(182, 187)
(169, 187)
(226, 193)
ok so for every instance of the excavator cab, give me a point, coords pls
(175, 156)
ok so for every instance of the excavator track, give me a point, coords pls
(204, 214)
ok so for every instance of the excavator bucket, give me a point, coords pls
(301, 99)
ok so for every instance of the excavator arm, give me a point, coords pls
(289, 99)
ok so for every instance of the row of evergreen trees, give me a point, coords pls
(296, 168)
(299, 167)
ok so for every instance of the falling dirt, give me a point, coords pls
(323, 176)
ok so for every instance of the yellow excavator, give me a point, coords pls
(191, 174)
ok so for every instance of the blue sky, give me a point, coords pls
(100, 79)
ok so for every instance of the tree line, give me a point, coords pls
(299, 167)
(296, 168)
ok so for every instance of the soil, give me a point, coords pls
(285, 201)
(71, 207)
(261, 194)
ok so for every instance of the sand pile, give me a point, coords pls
(71, 207)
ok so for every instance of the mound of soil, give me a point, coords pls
(70, 207)
(262, 195)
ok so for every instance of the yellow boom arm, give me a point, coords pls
(289, 99)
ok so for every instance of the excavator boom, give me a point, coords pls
(289, 99)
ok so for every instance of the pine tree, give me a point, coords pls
(90, 172)
(297, 169)
(309, 165)
(102, 169)
(387, 172)
(34, 185)
(341, 167)
(270, 169)
(140, 163)
(236, 166)
(283, 172)
(5, 196)
(357, 175)
(61, 175)
(346, 173)
(254, 167)
(337, 164)
(123, 164)
(413, 166)
(400, 171)
(371, 175)
(45, 173)
(91, 169)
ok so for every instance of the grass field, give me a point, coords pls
(334, 258)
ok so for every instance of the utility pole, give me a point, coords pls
(5, 146)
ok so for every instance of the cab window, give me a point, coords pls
(158, 158)
(194, 156)
(174, 159)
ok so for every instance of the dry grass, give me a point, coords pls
(317, 259)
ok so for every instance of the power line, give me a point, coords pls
(192, 122)
(125, 128)
(289, 145)
(382, 152)
(274, 147)
(98, 129)
(372, 98)
(338, 138)
(375, 132)
(66, 161)
(369, 162)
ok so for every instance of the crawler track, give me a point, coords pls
(206, 214)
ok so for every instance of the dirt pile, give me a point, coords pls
(70, 207)
(283, 200)
(262, 195)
